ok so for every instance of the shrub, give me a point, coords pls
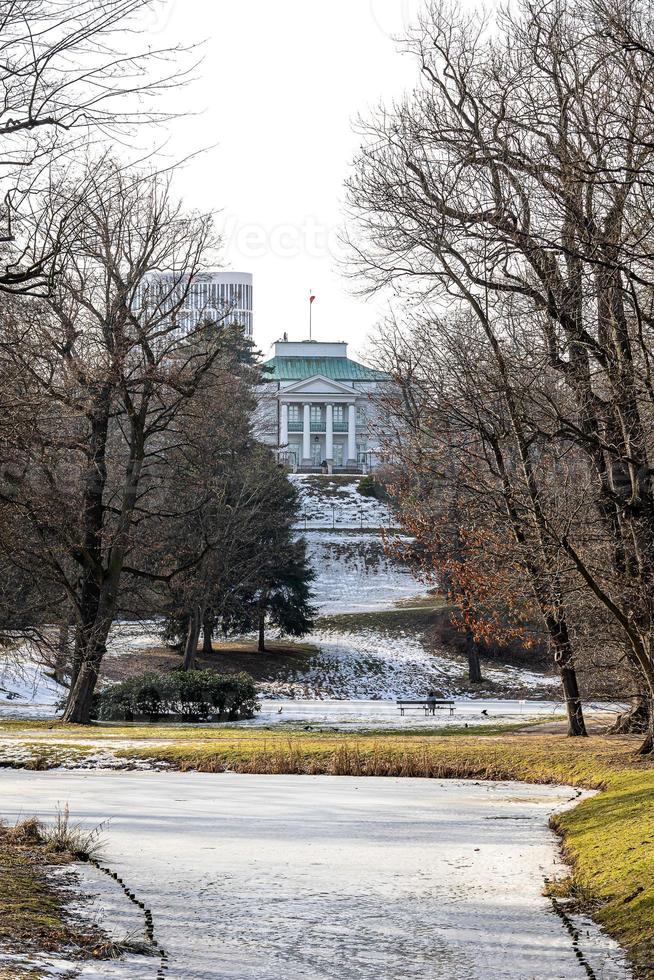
(367, 486)
(193, 695)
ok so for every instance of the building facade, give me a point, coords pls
(318, 407)
(225, 297)
(226, 294)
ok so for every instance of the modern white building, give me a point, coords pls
(225, 297)
(318, 407)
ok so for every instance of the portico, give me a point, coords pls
(318, 423)
(323, 404)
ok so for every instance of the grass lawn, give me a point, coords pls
(608, 839)
(280, 661)
(413, 616)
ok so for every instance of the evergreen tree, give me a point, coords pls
(280, 592)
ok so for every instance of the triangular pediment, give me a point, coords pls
(318, 384)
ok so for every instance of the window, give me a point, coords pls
(361, 415)
(293, 413)
(316, 413)
(340, 418)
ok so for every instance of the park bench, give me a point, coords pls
(428, 704)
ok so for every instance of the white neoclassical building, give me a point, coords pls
(318, 407)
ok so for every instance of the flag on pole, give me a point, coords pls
(311, 299)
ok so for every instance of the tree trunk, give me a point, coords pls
(61, 659)
(647, 714)
(647, 748)
(576, 723)
(80, 699)
(90, 648)
(635, 720)
(192, 636)
(78, 710)
(261, 646)
(474, 667)
(207, 635)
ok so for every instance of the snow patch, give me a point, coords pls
(336, 502)
(26, 690)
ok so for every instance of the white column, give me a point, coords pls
(306, 432)
(351, 434)
(329, 434)
(283, 426)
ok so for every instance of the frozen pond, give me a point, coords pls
(385, 713)
(327, 878)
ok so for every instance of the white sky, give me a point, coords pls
(278, 89)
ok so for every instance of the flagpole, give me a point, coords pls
(310, 306)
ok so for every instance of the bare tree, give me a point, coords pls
(472, 495)
(106, 368)
(517, 180)
(70, 75)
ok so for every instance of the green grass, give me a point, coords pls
(37, 734)
(419, 616)
(609, 841)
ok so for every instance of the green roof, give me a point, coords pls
(336, 368)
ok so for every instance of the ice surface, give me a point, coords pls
(328, 878)
(352, 714)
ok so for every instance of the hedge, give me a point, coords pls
(193, 695)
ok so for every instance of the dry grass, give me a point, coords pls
(32, 903)
(75, 840)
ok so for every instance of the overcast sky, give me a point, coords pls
(278, 89)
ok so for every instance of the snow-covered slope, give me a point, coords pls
(26, 690)
(354, 574)
(336, 502)
(376, 665)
